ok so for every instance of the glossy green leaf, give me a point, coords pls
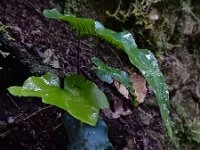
(82, 26)
(80, 97)
(104, 77)
(143, 59)
(85, 137)
(107, 73)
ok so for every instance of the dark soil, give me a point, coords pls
(43, 45)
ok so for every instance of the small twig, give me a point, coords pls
(85, 74)
(117, 10)
(12, 100)
(148, 7)
(27, 3)
(82, 42)
(118, 58)
(35, 113)
(4, 134)
(56, 127)
(79, 50)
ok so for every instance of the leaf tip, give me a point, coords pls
(52, 13)
(15, 90)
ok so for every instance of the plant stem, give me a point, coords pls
(78, 51)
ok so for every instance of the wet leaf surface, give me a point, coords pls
(80, 97)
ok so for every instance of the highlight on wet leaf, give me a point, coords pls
(80, 98)
(143, 59)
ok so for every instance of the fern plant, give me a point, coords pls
(143, 59)
(81, 98)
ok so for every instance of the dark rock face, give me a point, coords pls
(42, 45)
